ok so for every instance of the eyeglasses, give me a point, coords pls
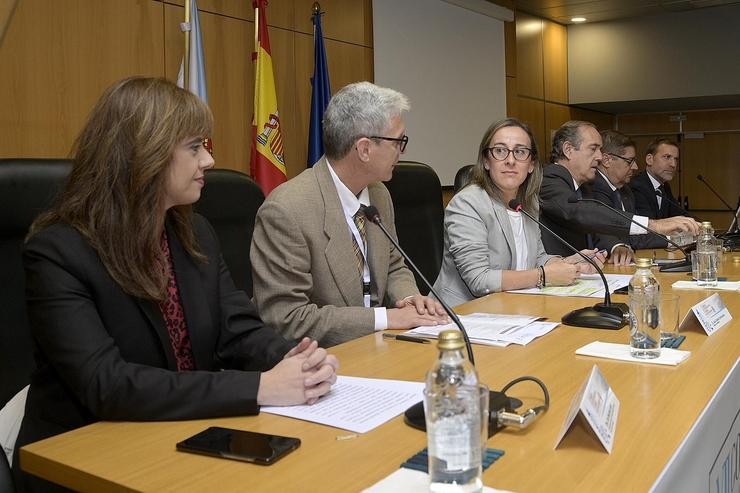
(208, 145)
(499, 153)
(628, 160)
(402, 141)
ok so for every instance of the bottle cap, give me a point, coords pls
(706, 224)
(450, 339)
(643, 262)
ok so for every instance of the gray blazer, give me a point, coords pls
(479, 246)
(304, 269)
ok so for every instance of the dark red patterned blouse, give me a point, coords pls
(174, 317)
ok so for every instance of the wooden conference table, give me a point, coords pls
(658, 406)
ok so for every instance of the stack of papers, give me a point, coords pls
(588, 285)
(621, 352)
(492, 329)
(721, 285)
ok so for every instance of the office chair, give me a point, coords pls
(27, 188)
(417, 199)
(230, 201)
(462, 177)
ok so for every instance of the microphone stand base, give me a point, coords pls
(596, 317)
(683, 266)
(498, 401)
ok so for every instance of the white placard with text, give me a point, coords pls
(598, 405)
(710, 314)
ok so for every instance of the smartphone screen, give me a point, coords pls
(241, 445)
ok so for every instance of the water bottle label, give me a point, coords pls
(454, 441)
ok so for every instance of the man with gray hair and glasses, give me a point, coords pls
(576, 156)
(319, 270)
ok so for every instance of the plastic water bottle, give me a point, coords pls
(453, 419)
(706, 256)
(644, 303)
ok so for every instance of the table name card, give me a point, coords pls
(598, 406)
(710, 314)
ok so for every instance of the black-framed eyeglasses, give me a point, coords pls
(628, 160)
(402, 141)
(499, 153)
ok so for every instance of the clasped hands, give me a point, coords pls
(306, 373)
(565, 271)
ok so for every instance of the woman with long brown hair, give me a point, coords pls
(133, 312)
(487, 246)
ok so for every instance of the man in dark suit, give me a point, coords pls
(651, 188)
(576, 154)
(615, 170)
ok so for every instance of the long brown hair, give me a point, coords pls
(530, 188)
(115, 193)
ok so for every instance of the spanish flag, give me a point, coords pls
(267, 162)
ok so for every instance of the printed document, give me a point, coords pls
(357, 404)
(588, 285)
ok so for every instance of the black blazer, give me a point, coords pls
(603, 192)
(573, 221)
(105, 355)
(646, 202)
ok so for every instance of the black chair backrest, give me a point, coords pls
(230, 201)
(462, 177)
(27, 188)
(417, 200)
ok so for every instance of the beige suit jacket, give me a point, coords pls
(304, 269)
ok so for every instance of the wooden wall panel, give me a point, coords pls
(346, 20)
(555, 116)
(647, 123)
(529, 71)
(57, 59)
(510, 48)
(725, 119)
(717, 158)
(603, 121)
(63, 54)
(532, 112)
(555, 61)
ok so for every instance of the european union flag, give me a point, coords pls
(320, 94)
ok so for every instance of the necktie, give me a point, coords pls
(617, 200)
(659, 197)
(359, 219)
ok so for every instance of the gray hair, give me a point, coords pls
(568, 132)
(359, 110)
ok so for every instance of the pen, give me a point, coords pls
(591, 257)
(401, 337)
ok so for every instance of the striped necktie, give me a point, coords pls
(359, 219)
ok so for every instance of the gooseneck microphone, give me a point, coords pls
(501, 408)
(716, 194)
(606, 315)
(658, 193)
(681, 266)
(372, 214)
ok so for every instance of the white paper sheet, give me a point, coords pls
(492, 329)
(357, 404)
(668, 356)
(721, 285)
(589, 285)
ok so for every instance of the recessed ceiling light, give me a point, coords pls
(578, 19)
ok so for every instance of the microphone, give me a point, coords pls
(682, 266)
(372, 214)
(701, 179)
(658, 193)
(606, 315)
(501, 407)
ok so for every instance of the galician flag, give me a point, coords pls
(267, 162)
(197, 69)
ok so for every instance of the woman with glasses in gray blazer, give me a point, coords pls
(489, 247)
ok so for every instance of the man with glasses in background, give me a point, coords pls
(653, 196)
(576, 155)
(618, 164)
(319, 269)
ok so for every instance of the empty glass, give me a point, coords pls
(668, 316)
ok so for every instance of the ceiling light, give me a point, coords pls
(578, 19)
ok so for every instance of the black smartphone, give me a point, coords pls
(247, 446)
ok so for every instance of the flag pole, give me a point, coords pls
(186, 58)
